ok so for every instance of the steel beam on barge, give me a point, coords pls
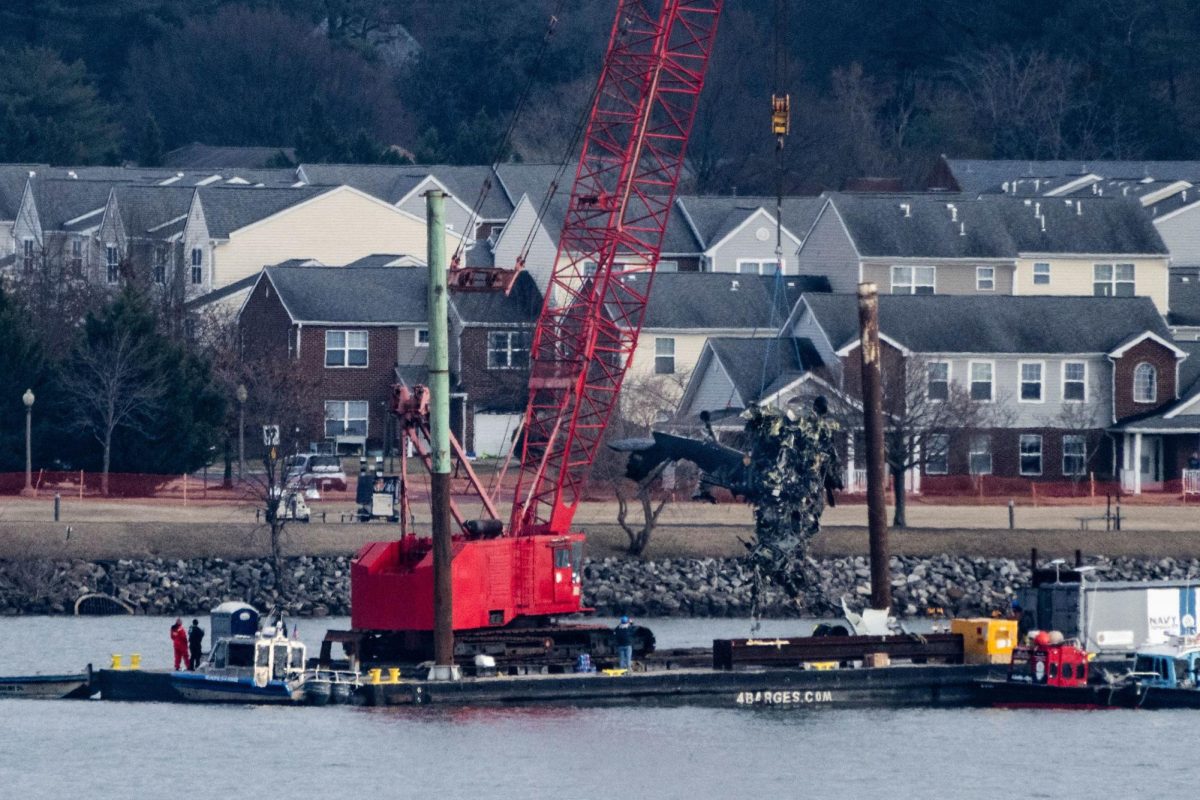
(730, 653)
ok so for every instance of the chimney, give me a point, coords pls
(907, 209)
(1079, 208)
(733, 286)
(953, 212)
(1043, 220)
(962, 229)
(1037, 209)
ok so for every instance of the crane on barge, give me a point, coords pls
(512, 576)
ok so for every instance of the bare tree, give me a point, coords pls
(1023, 99)
(114, 383)
(1079, 420)
(921, 407)
(52, 287)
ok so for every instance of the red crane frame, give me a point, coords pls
(629, 169)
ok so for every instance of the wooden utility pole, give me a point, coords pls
(439, 434)
(872, 395)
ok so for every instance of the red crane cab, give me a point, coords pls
(1049, 661)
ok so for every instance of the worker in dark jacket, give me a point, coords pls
(623, 637)
(195, 641)
(179, 641)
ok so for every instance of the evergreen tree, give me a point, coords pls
(150, 144)
(21, 368)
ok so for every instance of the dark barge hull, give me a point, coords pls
(1005, 694)
(782, 688)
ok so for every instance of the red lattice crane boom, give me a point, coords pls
(629, 169)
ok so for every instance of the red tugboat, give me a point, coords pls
(1051, 672)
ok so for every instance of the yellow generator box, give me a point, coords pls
(986, 641)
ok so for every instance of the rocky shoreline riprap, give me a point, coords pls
(680, 587)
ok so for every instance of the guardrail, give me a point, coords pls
(774, 652)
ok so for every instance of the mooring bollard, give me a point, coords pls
(57, 505)
(116, 661)
(393, 674)
(135, 660)
(375, 675)
(1011, 515)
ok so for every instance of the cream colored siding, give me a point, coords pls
(7, 245)
(1074, 276)
(334, 228)
(828, 251)
(951, 277)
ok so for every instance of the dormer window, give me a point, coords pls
(1145, 383)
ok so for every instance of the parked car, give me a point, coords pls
(313, 471)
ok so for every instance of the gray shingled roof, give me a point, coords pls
(203, 156)
(722, 301)
(59, 201)
(145, 207)
(364, 296)
(227, 209)
(390, 183)
(760, 366)
(521, 306)
(996, 324)
(378, 260)
(993, 226)
(716, 217)
(392, 295)
(12, 185)
(979, 175)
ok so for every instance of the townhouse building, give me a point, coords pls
(988, 245)
(1061, 384)
(352, 333)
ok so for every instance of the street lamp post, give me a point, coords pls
(241, 398)
(27, 399)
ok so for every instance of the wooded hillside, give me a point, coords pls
(878, 89)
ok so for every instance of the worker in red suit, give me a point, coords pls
(179, 641)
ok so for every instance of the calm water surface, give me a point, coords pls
(127, 750)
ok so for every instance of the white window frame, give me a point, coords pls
(511, 347)
(1041, 381)
(1084, 381)
(980, 280)
(197, 266)
(345, 348)
(160, 264)
(1082, 441)
(345, 417)
(910, 285)
(27, 254)
(112, 264)
(1021, 440)
(759, 265)
(417, 337)
(974, 449)
(1043, 274)
(77, 255)
(1112, 284)
(929, 380)
(661, 344)
(991, 380)
(1152, 396)
(931, 449)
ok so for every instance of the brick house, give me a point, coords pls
(1062, 381)
(356, 332)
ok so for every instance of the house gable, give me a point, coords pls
(829, 250)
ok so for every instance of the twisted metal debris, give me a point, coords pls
(793, 470)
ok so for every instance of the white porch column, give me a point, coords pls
(848, 481)
(1137, 463)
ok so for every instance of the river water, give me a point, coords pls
(126, 750)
